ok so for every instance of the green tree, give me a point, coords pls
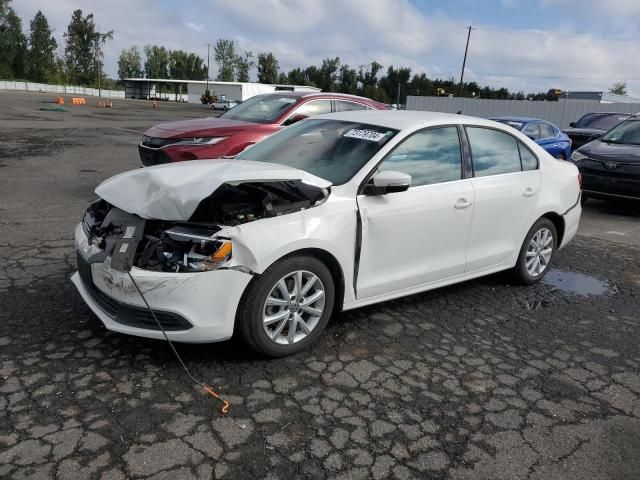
(282, 79)
(99, 39)
(188, 66)
(130, 63)
(348, 80)
(243, 64)
(368, 74)
(225, 56)
(297, 76)
(619, 88)
(156, 63)
(41, 59)
(83, 50)
(394, 78)
(311, 76)
(328, 80)
(267, 68)
(13, 43)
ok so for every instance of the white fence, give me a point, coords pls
(59, 89)
(561, 112)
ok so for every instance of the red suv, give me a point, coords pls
(241, 126)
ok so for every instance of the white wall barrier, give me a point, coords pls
(58, 89)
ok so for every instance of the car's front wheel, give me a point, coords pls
(287, 307)
(536, 253)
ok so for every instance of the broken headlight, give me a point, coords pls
(185, 248)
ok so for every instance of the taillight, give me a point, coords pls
(580, 180)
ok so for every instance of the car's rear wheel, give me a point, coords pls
(286, 309)
(536, 253)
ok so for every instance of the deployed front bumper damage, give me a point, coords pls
(181, 244)
(206, 300)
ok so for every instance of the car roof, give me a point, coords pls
(406, 119)
(311, 94)
(518, 119)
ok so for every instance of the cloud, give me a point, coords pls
(586, 46)
(198, 27)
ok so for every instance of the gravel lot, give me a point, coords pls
(483, 380)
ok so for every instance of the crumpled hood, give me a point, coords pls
(173, 191)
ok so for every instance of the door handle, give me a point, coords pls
(528, 192)
(462, 203)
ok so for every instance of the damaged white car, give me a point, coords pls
(330, 214)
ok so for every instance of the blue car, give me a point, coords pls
(544, 133)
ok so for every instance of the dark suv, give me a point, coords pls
(610, 165)
(591, 126)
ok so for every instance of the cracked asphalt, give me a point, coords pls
(482, 380)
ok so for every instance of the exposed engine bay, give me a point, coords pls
(192, 245)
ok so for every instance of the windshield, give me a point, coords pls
(627, 132)
(330, 149)
(601, 121)
(511, 123)
(261, 108)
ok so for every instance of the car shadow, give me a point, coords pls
(617, 207)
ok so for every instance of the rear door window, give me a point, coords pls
(528, 159)
(532, 131)
(493, 152)
(546, 131)
(345, 106)
(314, 107)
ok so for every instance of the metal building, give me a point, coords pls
(191, 90)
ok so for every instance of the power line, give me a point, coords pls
(568, 77)
(549, 33)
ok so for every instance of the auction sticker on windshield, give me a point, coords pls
(370, 135)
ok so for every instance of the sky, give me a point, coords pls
(524, 45)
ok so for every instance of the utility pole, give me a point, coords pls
(464, 61)
(208, 48)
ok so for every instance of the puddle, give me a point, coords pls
(576, 283)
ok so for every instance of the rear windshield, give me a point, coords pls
(330, 149)
(602, 121)
(627, 132)
(261, 108)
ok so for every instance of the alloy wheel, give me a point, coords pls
(539, 252)
(293, 307)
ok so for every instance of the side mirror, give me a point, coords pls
(572, 124)
(296, 118)
(387, 181)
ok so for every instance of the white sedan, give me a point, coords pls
(223, 104)
(333, 213)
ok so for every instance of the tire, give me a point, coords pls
(530, 275)
(278, 338)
